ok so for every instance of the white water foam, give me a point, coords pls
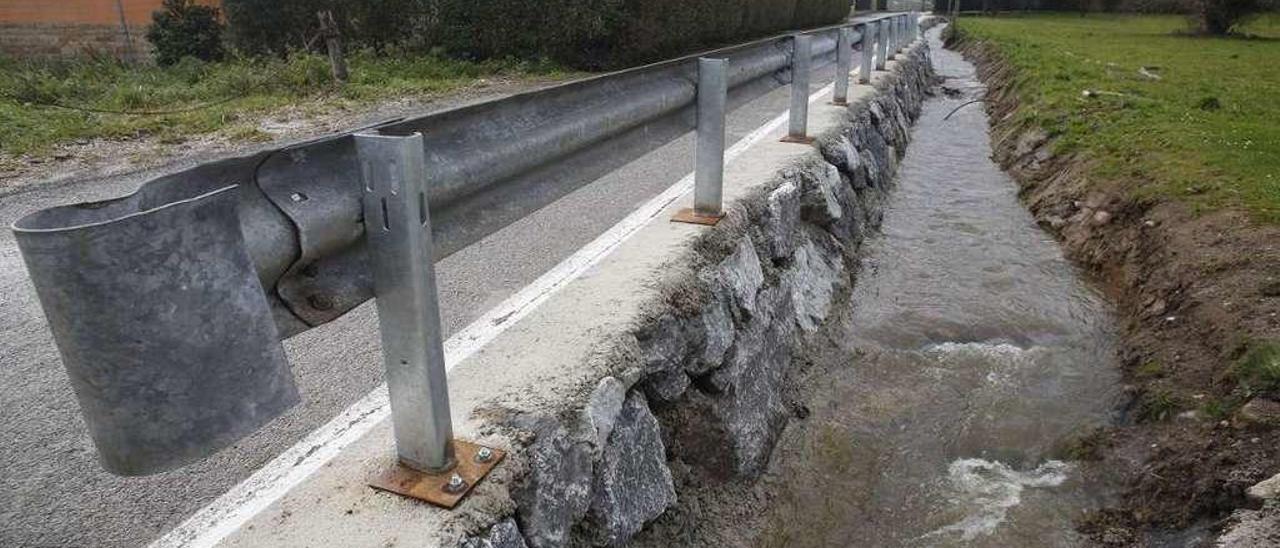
(988, 489)
(1003, 360)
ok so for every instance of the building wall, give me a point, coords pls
(69, 28)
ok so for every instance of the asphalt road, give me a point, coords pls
(54, 492)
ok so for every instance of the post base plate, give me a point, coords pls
(431, 488)
(691, 216)
(799, 140)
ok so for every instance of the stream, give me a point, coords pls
(971, 352)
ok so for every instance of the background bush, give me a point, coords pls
(590, 34)
(184, 29)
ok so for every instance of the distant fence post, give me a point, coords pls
(801, 58)
(868, 53)
(333, 43)
(708, 170)
(129, 55)
(844, 64)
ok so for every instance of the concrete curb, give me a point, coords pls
(675, 348)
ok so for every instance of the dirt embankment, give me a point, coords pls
(1197, 298)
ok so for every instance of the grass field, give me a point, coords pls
(44, 104)
(1204, 129)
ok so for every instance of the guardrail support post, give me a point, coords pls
(708, 171)
(398, 230)
(844, 64)
(868, 53)
(898, 35)
(895, 36)
(801, 59)
(882, 43)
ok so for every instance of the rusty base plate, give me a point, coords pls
(840, 103)
(799, 140)
(407, 482)
(688, 215)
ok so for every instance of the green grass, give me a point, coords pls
(1259, 369)
(225, 97)
(1206, 133)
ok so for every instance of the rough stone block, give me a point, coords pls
(556, 493)
(782, 220)
(740, 276)
(812, 280)
(504, 534)
(633, 484)
(750, 406)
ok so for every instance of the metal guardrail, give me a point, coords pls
(168, 305)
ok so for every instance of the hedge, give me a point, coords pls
(591, 34)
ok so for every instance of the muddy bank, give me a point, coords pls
(1198, 300)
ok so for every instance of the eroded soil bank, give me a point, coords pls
(1197, 296)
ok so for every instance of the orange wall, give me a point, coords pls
(92, 12)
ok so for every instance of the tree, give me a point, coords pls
(183, 28)
(1221, 17)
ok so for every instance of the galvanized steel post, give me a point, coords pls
(844, 64)
(868, 53)
(882, 43)
(708, 174)
(398, 230)
(889, 37)
(899, 35)
(801, 58)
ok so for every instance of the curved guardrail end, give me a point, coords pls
(162, 324)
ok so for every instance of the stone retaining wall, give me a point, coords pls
(701, 382)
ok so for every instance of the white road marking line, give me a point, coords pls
(225, 515)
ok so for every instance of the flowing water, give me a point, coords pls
(971, 352)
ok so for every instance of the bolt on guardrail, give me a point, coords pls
(398, 230)
(708, 173)
(801, 57)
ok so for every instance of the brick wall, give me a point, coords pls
(64, 40)
(69, 28)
